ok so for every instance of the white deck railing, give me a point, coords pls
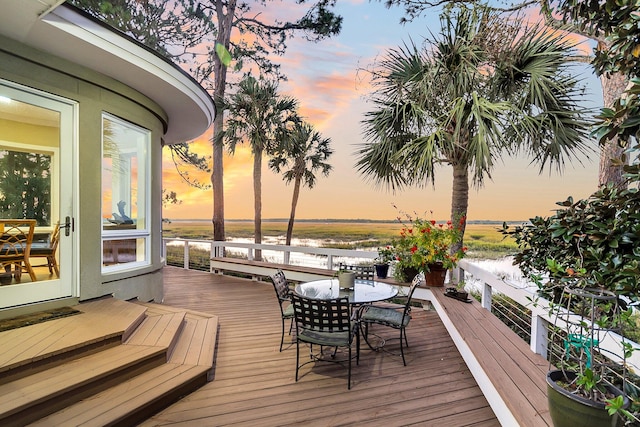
(521, 292)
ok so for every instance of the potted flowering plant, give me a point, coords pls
(426, 245)
(385, 256)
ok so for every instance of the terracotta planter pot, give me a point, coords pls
(436, 275)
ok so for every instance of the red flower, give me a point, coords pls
(433, 222)
(414, 249)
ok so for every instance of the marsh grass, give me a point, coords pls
(484, 241)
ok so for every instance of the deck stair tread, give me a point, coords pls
(131, 401)
(197, 342)
(517, 373)
(161, 330)
(102, 322)
(78, 378)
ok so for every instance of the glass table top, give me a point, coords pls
(364, 291)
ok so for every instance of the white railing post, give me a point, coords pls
(539, 335)
(287, 255)
(213, 251)
(457, 275)
(186, 254)
(330, 262)
(486, 296)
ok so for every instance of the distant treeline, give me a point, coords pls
(358, 221)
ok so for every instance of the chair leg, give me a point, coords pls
(349, 374)
(282, 335)
(297, 358)
(402, 332)
(32, 273)
(53, 263)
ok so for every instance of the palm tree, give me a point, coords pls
(257, 114)
(305, 151)
(486, 87)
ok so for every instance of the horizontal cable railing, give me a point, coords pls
(525, 294)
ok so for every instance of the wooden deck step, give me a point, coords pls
(160, 330)
(101, 324)
(132, 401)
(30, 398)
(189, 367)
(198, 337)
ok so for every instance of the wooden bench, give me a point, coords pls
(511, 376)
(257, 269)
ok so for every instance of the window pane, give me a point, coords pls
(123, 251)
(28, 136)
(123, 175)
(125, 150)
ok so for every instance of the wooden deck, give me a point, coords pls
(254, 383)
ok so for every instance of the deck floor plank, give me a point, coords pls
(254, 384)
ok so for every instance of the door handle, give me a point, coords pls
(68, 225)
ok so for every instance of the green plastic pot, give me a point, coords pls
(569, 410)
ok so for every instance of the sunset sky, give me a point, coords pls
(328, 81)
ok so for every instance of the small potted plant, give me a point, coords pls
(383, 260)
(458, 292)
(346, 278)
(426, 245)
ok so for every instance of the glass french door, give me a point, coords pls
(37, 164)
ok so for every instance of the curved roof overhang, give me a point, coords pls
(63, 31)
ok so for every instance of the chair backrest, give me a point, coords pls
(55, 237)
(280, 285)
(363, 272)
(16, 236)
(417, 281)
(332, 315)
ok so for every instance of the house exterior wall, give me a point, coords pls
(95, 94)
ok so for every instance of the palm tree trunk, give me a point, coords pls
(294, 203)
(257, 200)
(459, 200)
(612, 88)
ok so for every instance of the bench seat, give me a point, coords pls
(511, 376)
(258, 269)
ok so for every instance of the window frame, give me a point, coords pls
(145, 181)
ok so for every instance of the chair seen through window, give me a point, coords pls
(16, 236)
(48, 250)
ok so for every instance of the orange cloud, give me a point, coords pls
(582, 44)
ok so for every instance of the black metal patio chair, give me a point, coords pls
(284, 300)
(363, 272)
(327, 323)
(390, 316)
